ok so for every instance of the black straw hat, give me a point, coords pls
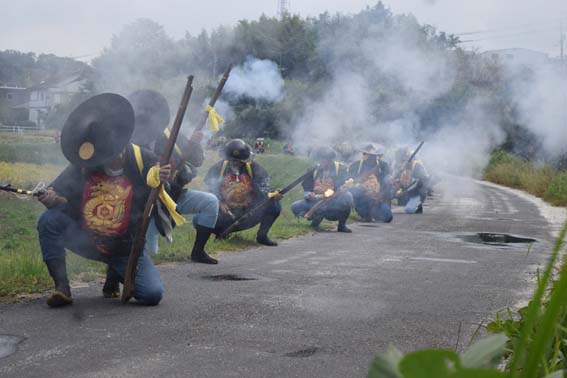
(97, 130)
(151, 111)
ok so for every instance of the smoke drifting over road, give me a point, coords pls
(380, 90)
(382, 77)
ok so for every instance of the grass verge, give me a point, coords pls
(542, 181)
(23, 272)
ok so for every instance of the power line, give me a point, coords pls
(509, 35)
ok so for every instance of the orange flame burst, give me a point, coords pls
(329, 193)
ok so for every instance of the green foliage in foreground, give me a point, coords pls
(22, 270)
(478, 362)
(531, 344)
(515, 172)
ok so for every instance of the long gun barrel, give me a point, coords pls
(405, 164)
(8, 188)
(138, 245)
(265, 202)
(215, 97)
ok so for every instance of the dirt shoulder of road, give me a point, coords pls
(555, 215)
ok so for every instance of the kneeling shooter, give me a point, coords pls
(240, 184)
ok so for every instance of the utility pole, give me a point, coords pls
(284, 8)
(563, 74)
(562, 43)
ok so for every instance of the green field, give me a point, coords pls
(23, 272)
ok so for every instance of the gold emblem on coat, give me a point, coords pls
(323, 185)
(104, 210)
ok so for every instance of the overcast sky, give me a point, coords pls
(82, 28)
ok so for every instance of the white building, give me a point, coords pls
(517, 57)
(45, 96)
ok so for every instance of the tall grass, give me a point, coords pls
(540, 180)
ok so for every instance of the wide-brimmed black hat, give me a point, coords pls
(324, 153)
(152, 115)
(372, 149)
(97, 130)
(237, 149)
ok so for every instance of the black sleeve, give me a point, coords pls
(69, 182)
(353, 170)
(385, 168)
(213, 180)
(342, 176)
(260, 180)
(419, 172)
(194, 153)
(308, 183)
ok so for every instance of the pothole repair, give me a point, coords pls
(496, 239)
(303, 353)
(9, 345)
(228, 277)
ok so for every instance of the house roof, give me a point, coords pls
(57, 80)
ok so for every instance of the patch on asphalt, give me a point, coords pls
(9, 344)
(228, 277)
(496, 239)
(303, 353)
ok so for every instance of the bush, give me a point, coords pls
(556, 193)
(515, 172)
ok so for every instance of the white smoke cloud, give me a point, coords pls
(410, 78)
(542, 106)
(257, 79)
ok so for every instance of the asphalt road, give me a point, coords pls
(316, 306)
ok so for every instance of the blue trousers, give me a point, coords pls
(58, 231)
(204, 207)
(366, 207)
(413, 204)
(265, 217)
(337, 209)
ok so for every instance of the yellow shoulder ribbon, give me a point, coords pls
(153, 181)
(215, 120)
(249, 169)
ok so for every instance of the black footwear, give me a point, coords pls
(203, 259)
(316, 222)
(265, 240)
(111, 288)
(62, 294)
(198, 253)
(344, 228)
(265, 225)
(419, 209)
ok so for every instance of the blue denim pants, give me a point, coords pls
(366, 207)
(413, 204)
(204, 207)
(58, 231)
(336, 209)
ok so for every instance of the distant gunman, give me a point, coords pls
(372, 191)
(240, 183)
(325, 195)
(411, 180)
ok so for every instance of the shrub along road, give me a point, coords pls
(316, 306)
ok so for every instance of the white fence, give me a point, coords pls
(19, 129)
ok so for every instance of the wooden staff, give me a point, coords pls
(215, 97)
(140, 240)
